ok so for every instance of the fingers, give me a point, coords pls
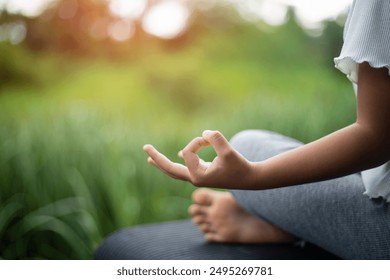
(174, 170)
(189, 155)
(152, 162)
(218, 141)
(196, 144)
(195, 167)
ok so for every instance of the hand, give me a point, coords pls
(229, 169)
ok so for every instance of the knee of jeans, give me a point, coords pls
(245, 137)
(256, 145)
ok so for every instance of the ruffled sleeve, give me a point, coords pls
(366, 37)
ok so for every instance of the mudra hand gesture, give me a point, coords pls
(229, 169)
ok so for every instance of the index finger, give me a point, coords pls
(175, 170)
(189, 153)
(196, 144)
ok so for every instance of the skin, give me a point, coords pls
(359, 146)
(221, 219)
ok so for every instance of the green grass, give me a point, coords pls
(72, 169)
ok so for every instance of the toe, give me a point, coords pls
(212, 237)
(199, 219)
(196, 209)
(203, 196)
(205, 228)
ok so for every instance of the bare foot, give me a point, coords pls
(221, 219)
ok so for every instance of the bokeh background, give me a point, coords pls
(84, 84)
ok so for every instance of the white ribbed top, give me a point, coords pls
(367, 39)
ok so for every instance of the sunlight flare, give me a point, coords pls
(130, 9)
(166, 20)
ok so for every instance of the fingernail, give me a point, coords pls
(206, 132)
(145, 147)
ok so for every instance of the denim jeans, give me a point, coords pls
(332, 214)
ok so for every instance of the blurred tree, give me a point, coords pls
(70, 26)
(13, 70)
(331, 39)
(81, 28)
(11, 66)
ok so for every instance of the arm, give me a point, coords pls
(362, 145)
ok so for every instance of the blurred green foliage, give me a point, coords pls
(72, 126)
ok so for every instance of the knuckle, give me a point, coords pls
(216, 134)
(228, 154)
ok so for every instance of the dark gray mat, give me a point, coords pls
(181, 240)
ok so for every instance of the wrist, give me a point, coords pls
(254, 177)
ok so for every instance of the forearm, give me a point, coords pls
(360, 146)
(346, 151)
(355, 148)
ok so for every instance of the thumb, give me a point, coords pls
(189, 155)
(218, 141)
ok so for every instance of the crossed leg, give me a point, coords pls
(333, 215)
(221, 219)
